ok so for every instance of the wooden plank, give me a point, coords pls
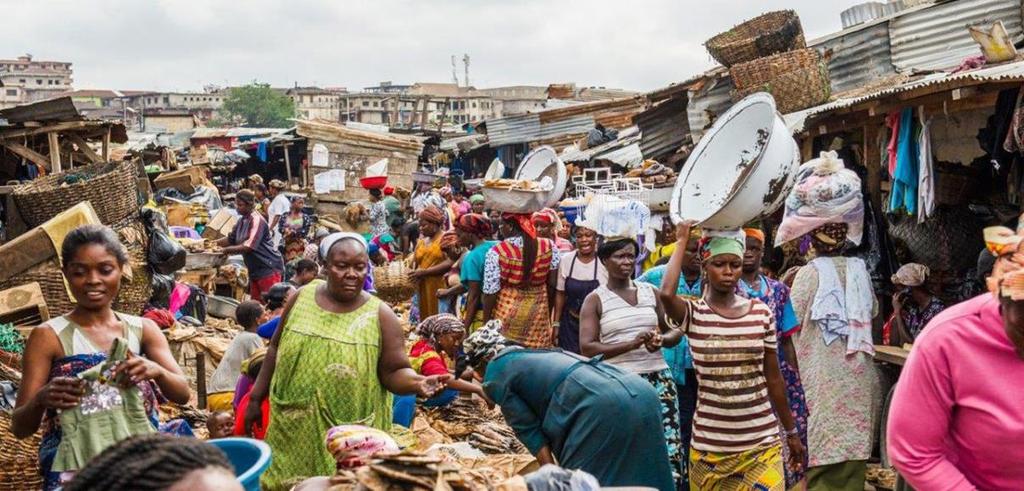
(287, 163)
(54, 151)
(873, 162)
(25, 251)
(105, 153)
(70, 125)
(807, 148)
(27, 153)
(83, 146)
(891, 354)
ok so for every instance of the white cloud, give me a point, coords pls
(184, 44)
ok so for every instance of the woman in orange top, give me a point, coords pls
(519, 280)
(431, 262)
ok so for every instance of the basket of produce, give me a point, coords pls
(796, 79)
(516, 196)
(770, 33)
(393, 283)
(111, 188)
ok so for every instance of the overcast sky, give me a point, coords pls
(185, 44)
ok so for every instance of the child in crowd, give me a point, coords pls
(220, 424)
(250, 370)
(222, 383)
(305, 271)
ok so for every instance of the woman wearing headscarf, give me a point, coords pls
(448, 297)
(435, 353)
(474, 231)
(955, 418)
(741, 395)
(837, 366)
(913, 305)
(519, 279)
(338, 354)
(430, 261)
(477, 205)
(378, 213)
(622, 321)
(548, 224)
(579, 273)
(586, 414)
(295, 226)
(755, 285)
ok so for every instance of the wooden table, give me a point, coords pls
(891, 354)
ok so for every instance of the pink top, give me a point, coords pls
(957, 417)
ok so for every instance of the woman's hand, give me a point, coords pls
(253, 416)
(136, 369)
(897, 302)
(796, 452)
(415, 274)
(61, 393)
(642, 339)
(430, 386)
(654, 343)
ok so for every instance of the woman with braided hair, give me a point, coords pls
(587, 414)
(158, 462)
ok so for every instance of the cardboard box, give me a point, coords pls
(220, 225)
(184, 180)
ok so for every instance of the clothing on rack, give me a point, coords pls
(905, 178)
(926, 172)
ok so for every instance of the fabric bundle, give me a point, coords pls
(354, 445)
(825, 192)
(615, 218)
(844, 309)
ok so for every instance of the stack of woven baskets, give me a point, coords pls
(19, 459)
(392, 282)
(112, 190)
(769, 54)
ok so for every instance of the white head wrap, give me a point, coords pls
(325, 245)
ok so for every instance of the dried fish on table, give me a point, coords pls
(470, 420)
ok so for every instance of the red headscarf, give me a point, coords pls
(432, 214)
(524, 220)
(474, 223)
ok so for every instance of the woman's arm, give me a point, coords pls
(556, 313)
(393, 369)
(35, 394)
(436, 270)
(777, 394)
(261, 387)
(590, 328)
(789, 353)
(669, 336)
(472, 303)
(676, 308)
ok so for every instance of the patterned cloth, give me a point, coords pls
(474, 223)
(379, 218)
(915, 318)
(755, 469)
(669, 398)
(326, 375)
(522, 305)
(844, 392)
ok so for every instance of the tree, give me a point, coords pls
(257, 105)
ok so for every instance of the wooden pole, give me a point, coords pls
(287, 164)
(54, 151)
(105, 153)
(873, 161)
(201, 379)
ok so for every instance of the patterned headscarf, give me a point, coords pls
(438, 325)
(830, 237)
(449, 240)
(474, 223)
(484, 343)
(433, 215)
(476, 198)
(524, 220)
(911, 274)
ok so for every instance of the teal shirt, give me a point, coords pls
(677, 357)
(472, 268)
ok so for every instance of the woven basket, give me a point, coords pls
(797, 79)
(770, 33)
(393, 283)
(946, 241)
(953, 189)
(131, 298)
(110, 188)
(19, 459)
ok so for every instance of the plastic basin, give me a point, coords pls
(544, 161)
(375, 182)
(741, 169)
(249, 457)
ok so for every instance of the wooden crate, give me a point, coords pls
(24, 307)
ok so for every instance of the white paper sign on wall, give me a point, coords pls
(320, 157)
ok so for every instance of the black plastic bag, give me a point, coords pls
(165, 254)
(154, 220)
(162, 286)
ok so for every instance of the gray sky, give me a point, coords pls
(184, 44)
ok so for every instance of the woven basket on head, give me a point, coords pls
(19, 459)
(110, 188)
(393, 283)
(796, 79)
(770, 33)
(131, 298)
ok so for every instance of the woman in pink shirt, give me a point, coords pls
(957, 416)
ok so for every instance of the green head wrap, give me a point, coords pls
(476, 198)
(716, 246)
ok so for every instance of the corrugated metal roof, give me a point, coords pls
(575, 125)
(664, 128)
(707, 104)
(859, 55)
(936, 37)
(624, 151)
(61, 109)
(465, 142)
(513, 129)
(1006, 72)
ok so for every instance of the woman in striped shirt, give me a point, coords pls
(741, 395)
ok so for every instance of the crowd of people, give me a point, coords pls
(684, 366)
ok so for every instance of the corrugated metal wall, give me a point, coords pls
(513, 129)
(936, 37)
(707, 104)
(664, 128)
(857, 57)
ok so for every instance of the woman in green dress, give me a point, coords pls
(586, 414)
(335, 360)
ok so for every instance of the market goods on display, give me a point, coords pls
(468, 419)
(410, 470)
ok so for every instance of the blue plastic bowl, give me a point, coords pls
(249, 457)
(571, 213)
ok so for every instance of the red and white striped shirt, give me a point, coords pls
(734, 413)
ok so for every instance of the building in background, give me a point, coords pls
(518, 99)
(25, 80)
(317, 103)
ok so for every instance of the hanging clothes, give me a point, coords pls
(261, 151)
(904, 185)
(926, 171)
(893, 122)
